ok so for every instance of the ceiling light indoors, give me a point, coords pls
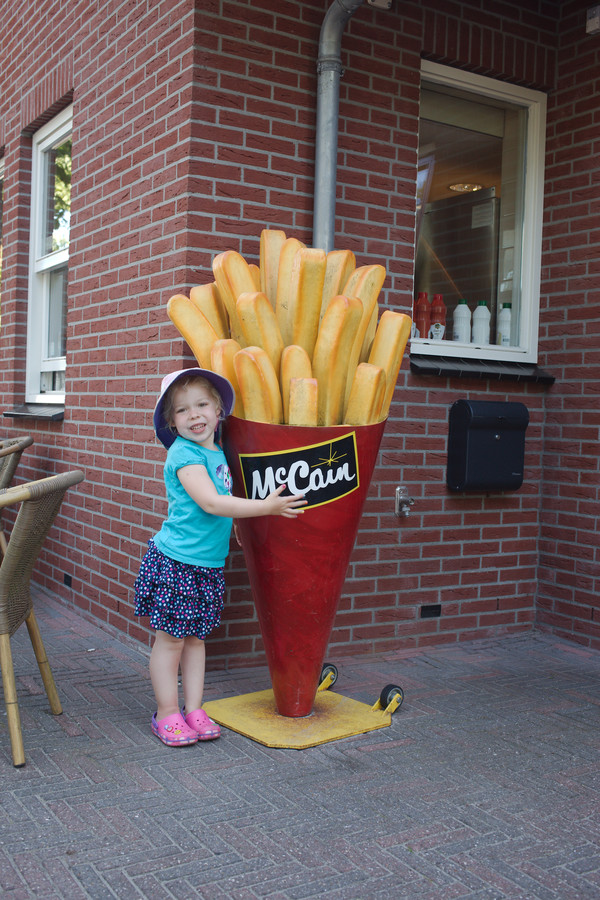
(465, 187)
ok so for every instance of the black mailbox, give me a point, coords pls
(486, 445)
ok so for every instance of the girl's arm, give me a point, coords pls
(197, 483)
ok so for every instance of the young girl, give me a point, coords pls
(181, 584)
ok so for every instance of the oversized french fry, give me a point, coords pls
(295, 363)
(259, 386)
(387, 351)
(308, 275)
(365, 281)
(259, 325)
(193, 326)
(271, 241)
(207, 298)
(340, 266)
(366, 396)
(303, 401)
(283, 300)
(255, 275)
(330, 359)
(369, 335)
(370, 307)
(233, 277)
(221, 362)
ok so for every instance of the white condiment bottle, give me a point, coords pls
(461, 323)
(481, 324)
(504, 324)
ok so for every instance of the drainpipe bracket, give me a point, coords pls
(330, 64)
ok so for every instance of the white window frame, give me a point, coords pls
(42, 264)
(531, 246)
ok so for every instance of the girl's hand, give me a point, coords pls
(236, 532)
(284, 506)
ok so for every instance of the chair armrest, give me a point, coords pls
(32, 490)
(15, 446)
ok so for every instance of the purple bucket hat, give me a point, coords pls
(164, 433)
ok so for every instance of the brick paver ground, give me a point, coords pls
(485, 785)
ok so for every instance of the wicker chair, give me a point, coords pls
(39, 504)
(10, 454)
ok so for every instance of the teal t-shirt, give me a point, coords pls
(189, 534)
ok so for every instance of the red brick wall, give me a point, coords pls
(128, 70)
(569, 574)
(194, 130)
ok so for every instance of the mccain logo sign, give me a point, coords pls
(322, 472)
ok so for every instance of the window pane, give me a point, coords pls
(52, 381)
(58, 198)
(49, 255)
(470, 204)
(57, 313)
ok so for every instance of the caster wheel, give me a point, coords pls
(388, 694)
(329, 669)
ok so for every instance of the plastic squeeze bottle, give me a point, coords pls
(419, 296)
(422, 313)
(504, 322)
(481, 324)
(461, 330)
(414, 332)
(437, 325)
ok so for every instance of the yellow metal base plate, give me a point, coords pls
(333, 717)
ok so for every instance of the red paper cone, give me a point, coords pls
(297, 567)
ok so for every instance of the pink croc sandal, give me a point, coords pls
(173, 731)
(204, 727)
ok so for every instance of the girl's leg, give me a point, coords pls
(193, 660)
(164, 672)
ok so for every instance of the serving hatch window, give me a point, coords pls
(479, 216)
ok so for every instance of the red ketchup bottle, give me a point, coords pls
(437, 327)
(422, 314)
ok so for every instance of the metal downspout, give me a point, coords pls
(329, 70)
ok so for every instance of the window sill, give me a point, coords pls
(49, 412)
(477, 368)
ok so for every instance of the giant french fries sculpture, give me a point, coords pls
(303, 292)
(314, 367)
